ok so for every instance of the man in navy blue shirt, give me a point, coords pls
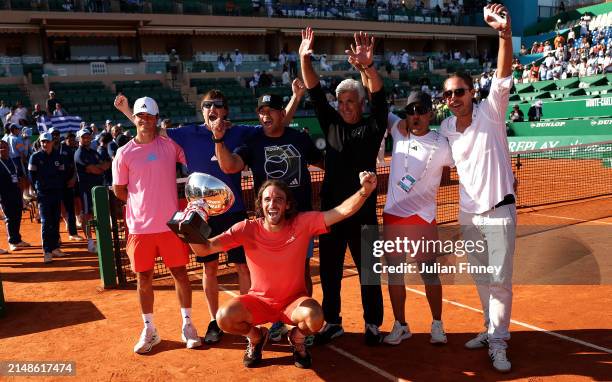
(10, 197)
(47, 176)
(90, 172)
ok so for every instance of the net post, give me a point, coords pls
(108, 274)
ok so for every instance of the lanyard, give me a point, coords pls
(431, 154)
(6, 167)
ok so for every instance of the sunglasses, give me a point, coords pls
(456, 92)
(219, 104)
(416, 109)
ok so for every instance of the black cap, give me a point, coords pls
(419, 97)
(274, 101)
(14, 126)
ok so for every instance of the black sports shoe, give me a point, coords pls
(372, 335)
(252, 354)
(328, 333)
(213, 333)
(299, 360)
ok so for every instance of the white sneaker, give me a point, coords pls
(48, 257)
(91, 246)
(437, 333)
(148, 339)
(398, 334)
(75, 238)
(478, 342)
(18, 246)
(190, 336)
(57, 253)
(500, 361)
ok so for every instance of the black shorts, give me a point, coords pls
(218, 225)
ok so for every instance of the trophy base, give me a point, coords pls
(194, 229)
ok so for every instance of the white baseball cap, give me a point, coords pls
(82, 132)
(146, 105)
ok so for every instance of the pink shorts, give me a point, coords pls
(142, 249)
(264, 311)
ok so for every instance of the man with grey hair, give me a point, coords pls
(352, 147)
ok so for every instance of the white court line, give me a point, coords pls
(566, 218)
(348, 355)
(519, 323)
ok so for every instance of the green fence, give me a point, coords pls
(573, 127)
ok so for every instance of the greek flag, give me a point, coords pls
(63, 124)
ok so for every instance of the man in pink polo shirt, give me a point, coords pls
(144, 176)
(276, 245)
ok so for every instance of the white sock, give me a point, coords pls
(148, 320)
(186, 314)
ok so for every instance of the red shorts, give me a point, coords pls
(264, 311)
(142, 249)
(413, 228)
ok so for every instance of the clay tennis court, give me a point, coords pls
(59, 312)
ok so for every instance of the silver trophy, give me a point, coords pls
(207, 196)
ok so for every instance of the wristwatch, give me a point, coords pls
(218, 140)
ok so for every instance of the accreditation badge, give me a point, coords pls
(406, 182)
(14, 178)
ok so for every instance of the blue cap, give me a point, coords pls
(45, 137)
(26, 131)
(82, 132)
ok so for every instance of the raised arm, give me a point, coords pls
(229, 162)
(121, 103)
(362, 56)
(311, 79)
(498, 17)
(299, 89)
(351, 205)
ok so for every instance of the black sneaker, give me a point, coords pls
(328, 333)
(299, 360)
(252, 354)
(372, 335)
(213, 333)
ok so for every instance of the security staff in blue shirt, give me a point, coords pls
(10, 197)
(47, 175)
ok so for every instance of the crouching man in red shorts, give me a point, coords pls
(276, 245)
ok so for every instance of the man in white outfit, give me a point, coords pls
(477, 136)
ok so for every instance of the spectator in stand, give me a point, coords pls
(59, 111)
(516, 115)
(534, 48)
(51, 102)
(523, 50)
(324, 65)
(113, 146)
(559, 41)
(221, 63)
(293, 58)
(37, 113)
(535, 111)
(173, 64)
(4, 111)
(237, 60)
(404, 60)
(103, 141)
(108, 125)
(285, 78)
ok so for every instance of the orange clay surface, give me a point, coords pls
(59, 312)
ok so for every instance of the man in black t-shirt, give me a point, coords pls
(275, 152)
(353, 142)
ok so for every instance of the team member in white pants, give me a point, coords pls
(477, 136)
